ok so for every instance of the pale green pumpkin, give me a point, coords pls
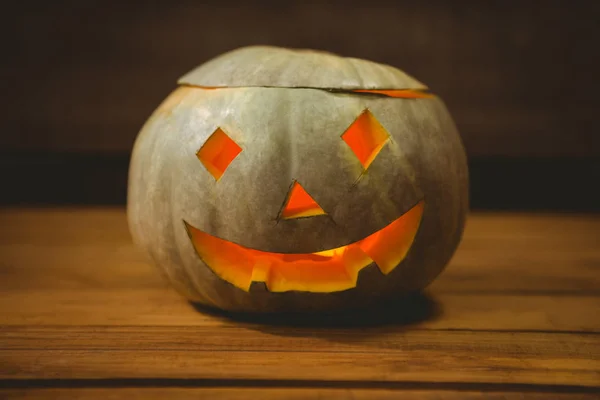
(287, 112)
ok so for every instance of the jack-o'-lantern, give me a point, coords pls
(295, 180)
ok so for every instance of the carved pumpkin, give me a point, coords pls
(288, 180)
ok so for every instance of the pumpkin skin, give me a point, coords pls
(287, 111)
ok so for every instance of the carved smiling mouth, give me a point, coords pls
(324, 271)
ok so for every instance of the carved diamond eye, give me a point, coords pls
(218, 152)
(366, 137)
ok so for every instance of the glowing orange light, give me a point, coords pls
(218, 152)
(326, 271)
(300, 204)
(366, 137)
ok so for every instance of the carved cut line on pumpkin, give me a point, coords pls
(218, 152)
(366, 137)
(396, 93)
(325, 271)
(300, 204)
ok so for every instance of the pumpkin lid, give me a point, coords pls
(268, 66)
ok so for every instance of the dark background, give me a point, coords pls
(520, 78)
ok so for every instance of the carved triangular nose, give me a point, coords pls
(299, 203)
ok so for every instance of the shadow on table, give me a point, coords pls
(392, 315)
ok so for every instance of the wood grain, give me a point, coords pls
(307, 366)
(258, 353)
(279, 393)
(514, 315)
(138, 307)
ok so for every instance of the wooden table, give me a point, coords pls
(516, 314)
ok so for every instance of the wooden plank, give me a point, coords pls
(257, 338)
(141, 307)
(480, 357)
(281, 393)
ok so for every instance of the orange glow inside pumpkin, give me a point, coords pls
(366, 137)
(325, 271)
(300, 204)
(398, 93)
(218, 152)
